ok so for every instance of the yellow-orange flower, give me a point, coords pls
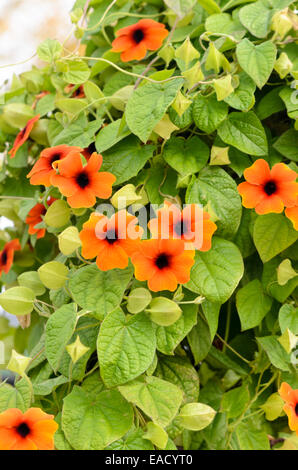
(191, 224)
(7, 254)
(163, 263)
(268, 190)
(23, 135)
(292, 214)
(134, 41)
(112, 241)
(290, 397)
(82, 184)
(33, 430)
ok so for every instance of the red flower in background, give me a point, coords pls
(43, 170)
(7, 254)
(77, 93)
(134, 41)
(82, 184)
(34, 218)
(268, 190)
(290, 397)
(23, 135)
(33, 430)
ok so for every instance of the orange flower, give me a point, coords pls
(7, 254)
(82, 184)
(33, 430)
(77, 93)
(290, 396)
(34, 218)
(23, 136)
(163, 263)
(292, 214)
(192, 225)
(112, 240)
(43, 170)
(268, 190)
(134, 41)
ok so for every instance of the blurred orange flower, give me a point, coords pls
(290, 397)
(112, 240)
(43, 170)
(34, 218)
(191, 224)
(163, 263)
(7, 254)
(268, 190)
(22, 136)
(134, 41)
(82, 184)
(33, 430)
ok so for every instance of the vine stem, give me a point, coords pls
(227, 332)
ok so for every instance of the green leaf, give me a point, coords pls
(18, 396)
(210, 6)
(211, 312)
(17, 300)
(111, 135)
(208, 113)
(158, 399)
(269, 104)
(169, 337)
(256, 18)
(125, 347)
(288, 318)
(133, 440)
(215, 187)
(272, 234)
(80, 134)
(180, 7)
(59, 330)
(49, 50)
(47, 386)
(250, 438)
(148, 104)
(276, 353)
(92, 423)
(243, 96)
(199, 340)
(99, 291)
(286, 144)
(270, 282)
(217, 272)
(186, 156)
(77, 72)
(256, 61)
(252, 304)
(234, 401)
(126, 158)
(179, 371)
(245, 132)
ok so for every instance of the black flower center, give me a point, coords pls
(181, 227)
(22, 132)
(296, 409)
(82, 180)
(162, 261)
(23, 430)
(138, 35)
(4, 257)
(111, 236)
(270, 188)
(55, 157)
(92, 148)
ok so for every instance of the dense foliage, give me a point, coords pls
(178, 109)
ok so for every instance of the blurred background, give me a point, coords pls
(23, 25)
